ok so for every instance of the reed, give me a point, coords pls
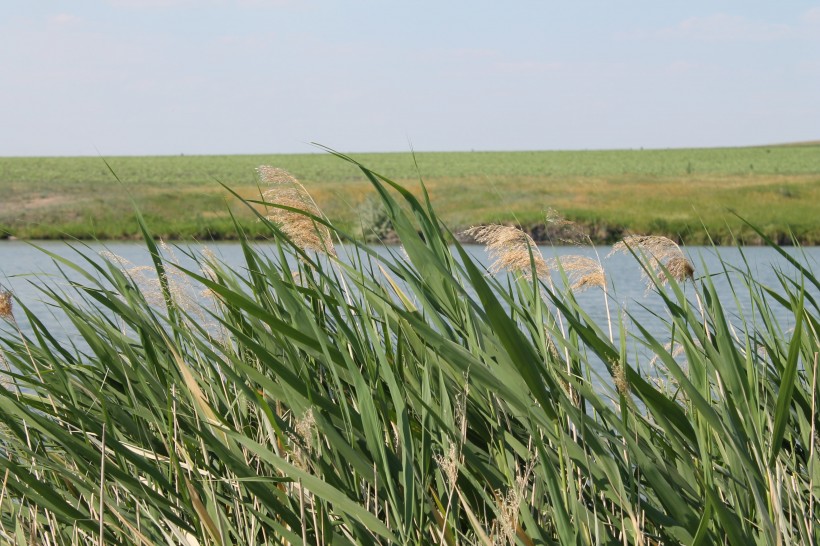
(664, 258)
(6, 304)
(293, 209)
(411, 400)
(511, 249)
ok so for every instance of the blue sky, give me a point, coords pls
(145, 77)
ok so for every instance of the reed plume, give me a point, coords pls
(620, 379)
(6, 312)
(151, 285)
(304, 427)
(679, 268)
(582, 272)
(661, 253)
(5, 381)
(292, 208)
(565, 231)
(506, 526)
(510, 249)
(6, 309)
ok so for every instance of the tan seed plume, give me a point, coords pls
(621, 382)
(5, 381)
(582, 272)
(658, 251)
(565, 231)
(510, 249)
(509, 507)
(305, 427)
(150, 284)
(286, 191)
(679, 268)
(6, 309)
(275, 175)
(449, 464)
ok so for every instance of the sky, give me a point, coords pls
(168, 77)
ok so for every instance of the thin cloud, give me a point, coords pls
(166, 4)
(682, 67)
(811, 16)
(261, 3)
(65, 19)
(150, 3)
(810, 24)
(528, 67)
(722, 27)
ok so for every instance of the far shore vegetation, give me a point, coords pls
(682, 194)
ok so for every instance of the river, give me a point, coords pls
(27, 270)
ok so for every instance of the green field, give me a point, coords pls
(665, 192)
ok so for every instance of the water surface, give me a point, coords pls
(27, 270)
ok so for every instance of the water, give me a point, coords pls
(27, 270)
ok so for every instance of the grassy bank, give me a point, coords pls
(670, 192)
(414, 400)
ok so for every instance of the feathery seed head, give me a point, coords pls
(506, 526)
(582, 272)
(679, 268)
(658, 251)
(150, 284)
(305, 427)
(565, 230)
(448, 464)
(552, 348)
(287, 191)
(6, 310)
(510, 249)
(275, 175)
(675, 350)
(621, 382)
(654, 246)
(5, 381)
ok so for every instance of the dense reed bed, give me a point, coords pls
(422, 399)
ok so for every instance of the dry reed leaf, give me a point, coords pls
(287, 191)
(510, 249)
(582, 272)
(659, 251)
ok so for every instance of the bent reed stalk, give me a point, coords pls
(380, 400)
